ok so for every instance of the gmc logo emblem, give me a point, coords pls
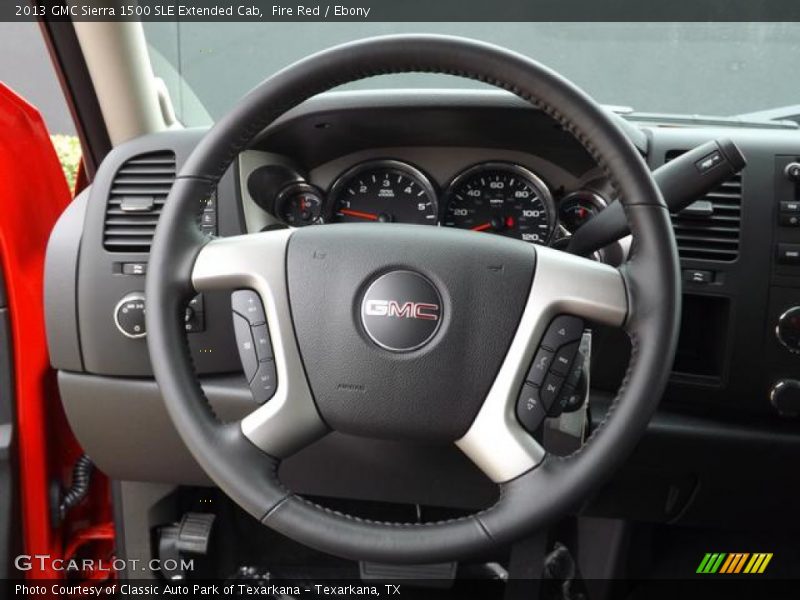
(406, 310)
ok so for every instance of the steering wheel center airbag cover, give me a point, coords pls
(402, 329)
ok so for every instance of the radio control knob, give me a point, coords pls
(788, 329)
(785, 397)
(129, 316)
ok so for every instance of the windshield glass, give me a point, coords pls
(692, 68)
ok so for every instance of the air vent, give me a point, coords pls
(137, 196)
(708, 229)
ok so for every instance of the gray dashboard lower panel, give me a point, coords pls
(124, 427)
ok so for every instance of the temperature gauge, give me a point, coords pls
(578, 207)
(299, 204)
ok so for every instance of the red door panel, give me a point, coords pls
(33, 193)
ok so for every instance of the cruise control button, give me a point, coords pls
(563, 358)
(248, 304)
(530, 411)
(247, 349)
(550, 389)
(263, 345)
(265, 382)
(539, 366)
(563, 330)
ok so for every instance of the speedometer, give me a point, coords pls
(386, 191)
(501, 198)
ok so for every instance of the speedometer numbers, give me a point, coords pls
(384, 192)
(501, 198)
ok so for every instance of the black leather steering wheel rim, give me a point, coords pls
(531, 500)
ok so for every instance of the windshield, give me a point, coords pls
(693, 68)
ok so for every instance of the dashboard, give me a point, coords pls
(495, 196)
(484, 161)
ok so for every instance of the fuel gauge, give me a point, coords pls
(578, 207)
(299, 204)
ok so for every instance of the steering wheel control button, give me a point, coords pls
(550, 389)
(530, 410)
(248, 304)
(263, 345)
(563, 330)
(401, 311)
(129, 316)
(788, 329)
(564, 357)
(540, 366)
(265, 382)
(247, 348)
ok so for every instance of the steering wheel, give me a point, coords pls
(412, 333)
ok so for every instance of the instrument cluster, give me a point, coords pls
(502, 198)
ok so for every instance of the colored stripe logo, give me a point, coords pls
(734, 563)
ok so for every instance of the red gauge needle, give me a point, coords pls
(483, 227)
(358, 214)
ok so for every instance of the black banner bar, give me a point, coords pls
(403, 10)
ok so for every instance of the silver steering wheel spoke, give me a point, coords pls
(289, 420)
(562, 284)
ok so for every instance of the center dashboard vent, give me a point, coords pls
(137, 196)
(708, 229)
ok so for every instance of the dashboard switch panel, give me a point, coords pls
(255, 346)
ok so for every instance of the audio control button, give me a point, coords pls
(248, 304)
(244, 342)
(530, 410)
(539, 367)
(265, 382)
(263, 345)
(563, 330)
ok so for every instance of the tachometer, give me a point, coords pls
(386, 191)
(501, 198)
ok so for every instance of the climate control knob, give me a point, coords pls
(785, 397)
(788, 329)
(129, 315)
